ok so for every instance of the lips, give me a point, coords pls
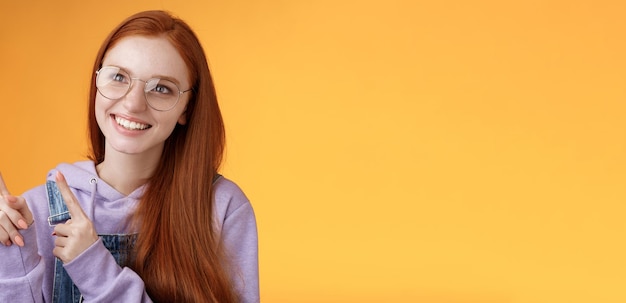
(131, 125)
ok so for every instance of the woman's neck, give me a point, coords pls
(125, 172)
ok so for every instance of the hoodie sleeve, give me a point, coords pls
(21, 270)
(100, 279)
(239, 235)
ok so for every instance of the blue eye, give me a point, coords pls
(119, 78)
(162, 89)
(112, 76)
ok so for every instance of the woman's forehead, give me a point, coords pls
(146, 57)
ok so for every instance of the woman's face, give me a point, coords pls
(129, 124)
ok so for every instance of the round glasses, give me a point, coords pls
(114, 83)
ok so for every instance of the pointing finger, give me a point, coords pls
(76, 212)
(3, 188)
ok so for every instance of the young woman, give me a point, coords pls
(148, 218)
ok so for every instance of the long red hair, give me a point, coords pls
(177, 253)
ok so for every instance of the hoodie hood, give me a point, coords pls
(82, 176)
(96, 196)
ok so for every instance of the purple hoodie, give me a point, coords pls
(26, 273)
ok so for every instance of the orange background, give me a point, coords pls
(394, 151)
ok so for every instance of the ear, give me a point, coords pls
(182, 120)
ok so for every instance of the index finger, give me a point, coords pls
(76, 212)
(3, 188)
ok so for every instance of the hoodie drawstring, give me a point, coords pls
(93, 181)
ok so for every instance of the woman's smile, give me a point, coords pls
(130, 125)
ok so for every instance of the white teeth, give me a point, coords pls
(130, 125)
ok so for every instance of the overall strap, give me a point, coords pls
(56, 204)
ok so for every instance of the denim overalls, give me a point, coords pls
(120, 246)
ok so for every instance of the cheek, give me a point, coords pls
(181, 112)
(168, 121)
(100, 110)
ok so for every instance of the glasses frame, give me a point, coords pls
(130, 86)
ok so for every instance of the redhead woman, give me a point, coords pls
(147, 217)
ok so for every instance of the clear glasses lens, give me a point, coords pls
(114, 83)
(161, 94)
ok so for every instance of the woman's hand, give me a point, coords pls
(75, 235)
(14, 215)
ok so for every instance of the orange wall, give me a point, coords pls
(394, 151)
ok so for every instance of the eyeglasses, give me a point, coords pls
(114, 83)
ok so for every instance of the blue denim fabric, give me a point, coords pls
(120, 246)
(58, 210)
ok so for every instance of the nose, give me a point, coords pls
(135, 100)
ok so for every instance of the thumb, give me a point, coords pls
(19, 204)
(20, 213)
(76, 212)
